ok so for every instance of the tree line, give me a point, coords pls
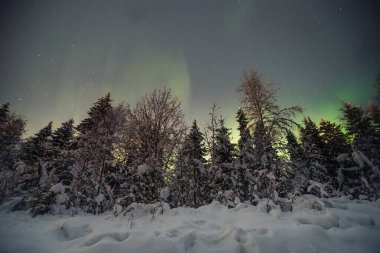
(121, 154)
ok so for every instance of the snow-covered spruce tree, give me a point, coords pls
(60, 176)
(12, 127)
(36, 154)
(62, 140)
(296, 154)
(359, 175)
(156, 127)
(223, 177)
(224, 149)
(245, 140)
(33, 172)
(374, 113)
(362, 130)
(245, 159)
(270, 124)
(313, 147)
(56, 171)
(298, 163)
(190, 180)
(93, 168)
(335, 144)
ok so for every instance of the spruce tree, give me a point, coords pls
(4, 112)
(36, 153)
(223, 176)
(210, 133)
(269, 123)
(12, 127)
(93, 156)
(34, 172)
(244, 165)
(335, 143)
(363, 133)
(190, 181)
(62, 137)
(294, 149)
(62, 140)
(358, 175)
(298, 162)
(224, 149)
(245, 140)
(313, 147)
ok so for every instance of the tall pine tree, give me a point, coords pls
(223, 177)
(12, 127)
(190, 183)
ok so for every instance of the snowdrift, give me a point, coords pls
(314, 225)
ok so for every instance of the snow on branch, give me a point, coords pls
(314, 184)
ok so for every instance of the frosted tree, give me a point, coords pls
(93, 168)
(358, 175)
(223, 176)
(155, 128)
(269, 124)
(335, 144)
(12, 127)
(244, 165)
(33, 173)
(157, 125)
(224, 149)
(374, 112)
(314, 148)
(361, 129)
(259, 101)
(245, 140)
(190, 182)
(36, 154)
(298, 163)
(62, 141)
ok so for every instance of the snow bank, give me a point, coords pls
(315, 225)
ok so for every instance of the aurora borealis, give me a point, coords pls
(58, 57)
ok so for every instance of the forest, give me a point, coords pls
(122, 154)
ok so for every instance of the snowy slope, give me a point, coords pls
(334, 225)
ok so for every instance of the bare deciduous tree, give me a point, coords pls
(259, 100)
(157, 124)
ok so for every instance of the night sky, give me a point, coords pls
(58, 57)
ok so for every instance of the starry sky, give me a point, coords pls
(58, 57)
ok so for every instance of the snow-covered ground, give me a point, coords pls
(333, 225)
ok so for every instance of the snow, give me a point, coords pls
(58, 188)
(314, 184)
(99, 198)
(143, 170)
(165, 193)
(60, 197)
(315, 225)
(44, 175)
